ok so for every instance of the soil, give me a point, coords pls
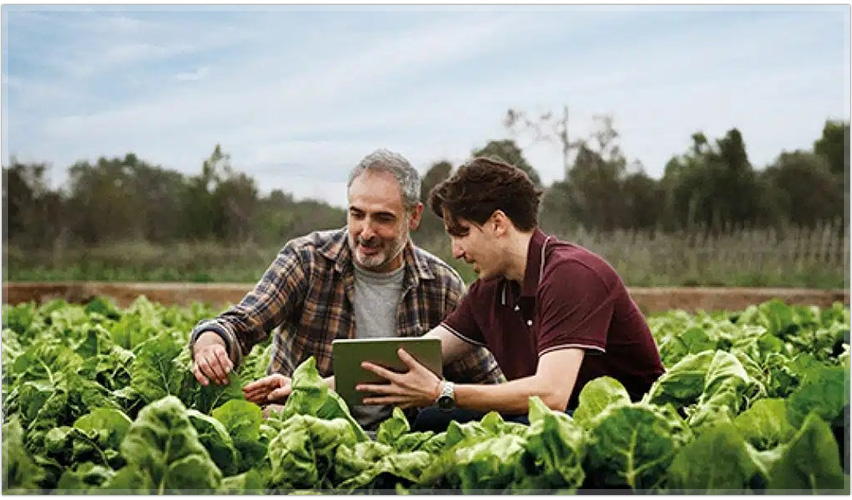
(221, 294)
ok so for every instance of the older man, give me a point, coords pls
(365, 280)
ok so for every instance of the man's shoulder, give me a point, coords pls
(327, 241)
(577, 262)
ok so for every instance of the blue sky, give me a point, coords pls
(297, 95)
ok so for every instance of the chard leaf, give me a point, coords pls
(311, 396)
(242, 420)
(214, 437)
(302, 452)
(110, 426)
(162, 448)
(810, 462)
(84, 478)
(724, 388)
(555, 447)
(824, 390)
(20, 473)
(683, 383)
(717, 462)
(247, 483)
(598, 395)
(155, 373)
(765, 424)
(633, 446)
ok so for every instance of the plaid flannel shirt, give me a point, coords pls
(305, 297)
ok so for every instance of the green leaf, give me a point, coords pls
(302, 452)
(717, 462)
(683, 383)
(242, 420)
(810, 463)
(555, 447)
(311, 396)
(155, 374)
(247, 483)
(108, 424)
(393, 428)
(765, 424)
(20, 472)
(824, 390)
(84, 478)
(633, 446)
(352, 460)
(724, 388)
(598, 395)
(164, 447)
(493, 463)
(213, 435)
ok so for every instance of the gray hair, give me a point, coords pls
(388, 161)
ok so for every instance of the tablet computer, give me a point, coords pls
(347, 355)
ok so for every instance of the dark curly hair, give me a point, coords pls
(482, 186)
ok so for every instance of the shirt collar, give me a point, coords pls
(535, 261)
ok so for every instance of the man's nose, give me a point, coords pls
(458, 253)
(367, 231)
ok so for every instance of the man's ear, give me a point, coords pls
(499, 223)
(414, 217)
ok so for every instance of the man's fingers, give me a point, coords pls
(408, 359)
(270, 409)
(199, 376)
(256, 398)
(280, 393)
(224, 360)
(381, 389)
(218, 373)
(384, 400)
(378, 370)
(257, 385)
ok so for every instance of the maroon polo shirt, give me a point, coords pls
(570, 298)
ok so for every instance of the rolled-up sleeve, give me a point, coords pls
(272, 301)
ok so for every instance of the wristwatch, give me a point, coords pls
(447, 399)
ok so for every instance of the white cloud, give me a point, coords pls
(281, 96)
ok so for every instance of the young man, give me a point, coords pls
(365, 280)
(554, 314)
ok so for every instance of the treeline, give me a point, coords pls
(711, 187)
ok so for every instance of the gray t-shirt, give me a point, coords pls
(377, 297)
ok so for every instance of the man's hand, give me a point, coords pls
(273, 388)
(268, 410)
(415, 388)
(210, 360)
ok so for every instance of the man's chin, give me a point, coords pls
(370, 262)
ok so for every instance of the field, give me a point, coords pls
(797, 257)
(99, 399)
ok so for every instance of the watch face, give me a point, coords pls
(445, 402)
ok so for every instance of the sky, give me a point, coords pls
(297, 95)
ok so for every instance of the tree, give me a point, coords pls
(593, 187)
(712, 186)
(31, 211)
(546, 127)
(804, 189)
(431, 225)
(509, 152)
(834, 146)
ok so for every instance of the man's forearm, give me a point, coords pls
(511, 397)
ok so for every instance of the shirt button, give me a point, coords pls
(529, 322)
(517, 308)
